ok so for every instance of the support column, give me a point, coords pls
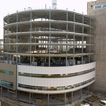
(81, 94)
(17, 37)
(41, 43)
(88, 90)
(30, 51)
(66, 36)
(71, 97)
(93, 43)
(89, 41)
(65, 98)
(4, 43)
(13, 59)
(16, 51)
(19, 58)
(8, 41)
(8, 93)
(49, 34)
(1, 90)
(16, 92)
(30, 99)
(74, 39)
(82, 61)
(48, 100)
(33, 102)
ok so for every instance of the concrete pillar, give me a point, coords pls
(30, 99)
(17, 37)
(30, 35)
(82, 61)
(49, 61)
(49, 34)
(48, 100)
(66, 36)
(73, 38)
(90, 40)
(4, 43)
(19, 58)
(80, 93)
(71, 97)
(7, 93)
(16, 95)
(8, 41)
(88, 90)
(65, 98)
(1, 90)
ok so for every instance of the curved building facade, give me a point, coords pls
(53, 50)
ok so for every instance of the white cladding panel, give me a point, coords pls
(55, 92)
(54, 82)
(55, 70)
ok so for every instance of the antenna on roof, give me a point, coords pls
(54, 4)
(45, 6)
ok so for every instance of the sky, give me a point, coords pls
(11, 6)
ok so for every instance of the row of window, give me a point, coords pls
(56, 75)
(54, 88)
(6, 84)
(6, 72)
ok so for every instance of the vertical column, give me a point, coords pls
(8, 40)
(19, 59)
(82, 61)
(8, 92)
(1, 90)
(17, 38)
(33, 102)
(66, 36)
(71, 97)
(30, 100)
(49, 34)
(90, 41)
(12, 59)
(30, 34)
(65, 98)
(42, 44)
(93, 40)
(16, 55)
(33, 41)
(74, 39)
(88, 90)
(80, 93)
(48, 100)
(16, 92)
(4, 43)
(35, 45)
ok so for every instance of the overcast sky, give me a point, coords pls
(10, 6)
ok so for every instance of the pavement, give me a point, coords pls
(8, 102)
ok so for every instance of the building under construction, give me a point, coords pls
(48, 56)
(97, 9)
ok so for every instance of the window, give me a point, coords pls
(56, 75)
(55, 88)
(6, 72)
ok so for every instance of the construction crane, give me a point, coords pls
(54, 4)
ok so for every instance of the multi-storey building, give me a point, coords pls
(47, 52)
(97, 9)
